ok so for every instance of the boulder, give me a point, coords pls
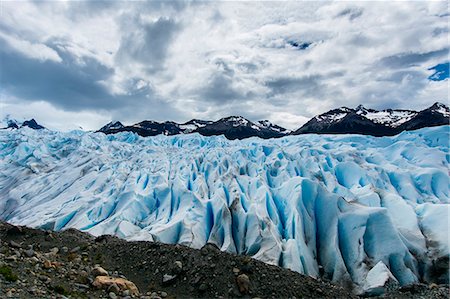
(99, 271)
(104, 282)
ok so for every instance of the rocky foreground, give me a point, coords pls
(72, 264)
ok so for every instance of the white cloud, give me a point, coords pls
(32, 50)
(226, 58)
(53, 118)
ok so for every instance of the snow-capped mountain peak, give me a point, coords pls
(360, 107)
(235, 120)
(334, 115)
(267, 124)
(362, 120)
(264, 123)
(343, 120)
(112, 125)
(389, 117)
(10, 123)
(441, 108)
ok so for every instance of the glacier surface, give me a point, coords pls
(322, 205)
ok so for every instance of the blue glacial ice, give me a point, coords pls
(349, 206)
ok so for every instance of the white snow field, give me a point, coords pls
(344, 202)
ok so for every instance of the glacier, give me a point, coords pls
(344, 207)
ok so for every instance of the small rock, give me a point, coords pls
(29, 252)
(47, 264)
(65, 249)
(114, 288)
(168, 278)
(112, 295)
(243, 282)
(236, 271)
(11, 258)
(203, 287)
(76, 249)
(81, 286)
(77, 260)
(246, 268)
(54, 251)
(163, 294)
(179, 265)
(126, 293)
(99, 271)
(14, 244)
(209, 247)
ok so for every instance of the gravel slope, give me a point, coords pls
(44, 264)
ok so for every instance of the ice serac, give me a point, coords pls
(359, 210)
(378, 279)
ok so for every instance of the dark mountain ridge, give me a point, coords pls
(14, 124)
(232, 127)
(342, 120)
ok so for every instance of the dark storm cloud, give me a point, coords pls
(62, 84)
(220, 89)
(82, 66)
(146, 42)
(402, 60)
(307, 86)
(73, 84)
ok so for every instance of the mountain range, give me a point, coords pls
(375, 122)
(232, 127)
(343, 120)
(14, 124)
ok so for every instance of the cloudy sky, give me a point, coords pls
(76, 64)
